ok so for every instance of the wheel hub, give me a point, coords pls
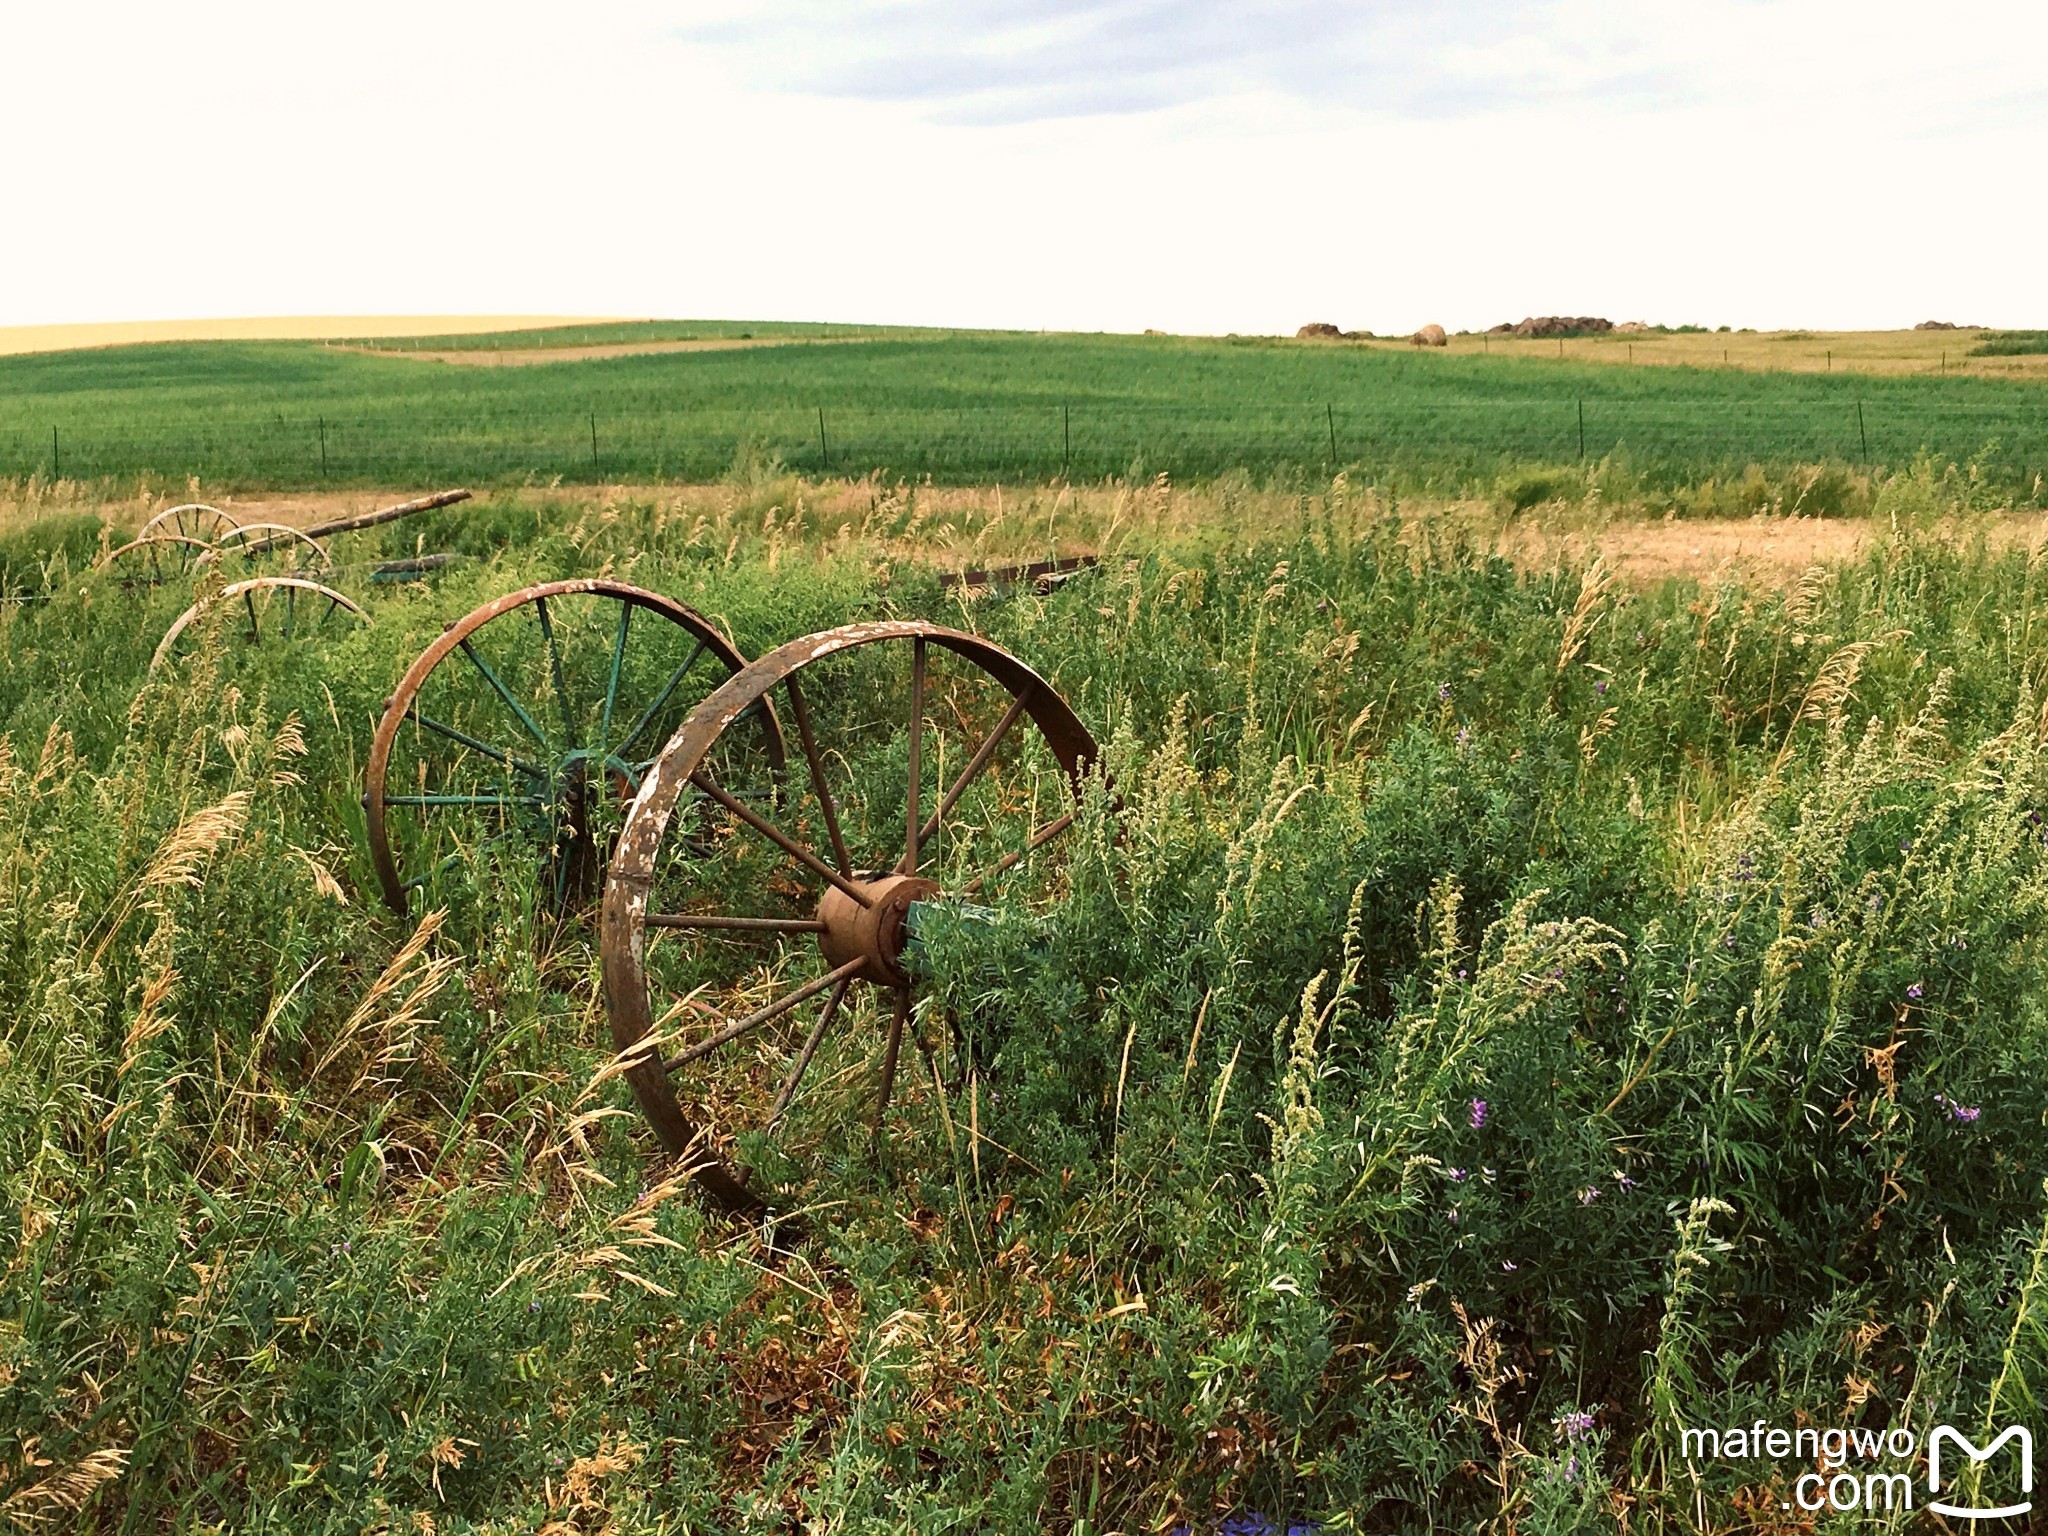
(876, 933)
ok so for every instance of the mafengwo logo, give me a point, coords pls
(1885, 1481)
(1943, 1434)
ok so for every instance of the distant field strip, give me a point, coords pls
(969, 407)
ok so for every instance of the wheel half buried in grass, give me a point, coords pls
(282, 546)
(935, 764)
(193, 520)
(281, 608)
(157, 558)
(527, 728)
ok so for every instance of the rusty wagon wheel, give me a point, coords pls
(297, 609)
(920, 800)
(527, 727)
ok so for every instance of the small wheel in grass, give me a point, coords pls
(277, 545)
(279, 608)
(158, 558)
(935, 764)
(193, 520)
(526, 728)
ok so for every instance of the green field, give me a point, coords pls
(968, 407)
(1500, 1019)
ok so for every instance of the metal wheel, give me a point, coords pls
(295, 608)
(158, 557)
(527, 727)
(193, 520)
(921, 797)
(278, 544)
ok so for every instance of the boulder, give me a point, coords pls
(1430, 336)
(1633, 326)
(1319, 330)
(1937, 325)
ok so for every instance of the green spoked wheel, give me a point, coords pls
(526, 729)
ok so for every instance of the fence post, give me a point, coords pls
(594, 464)
(1330, 416)
(1582, 429)
(323, 447)
(56, 463)
(824, 448)
(1066, 438)
(1865, 436)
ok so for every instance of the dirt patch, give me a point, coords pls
(1769, 551)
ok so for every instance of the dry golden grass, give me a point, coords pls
(958, 527)
(1891, 352)
(122, 333)
(522, 357)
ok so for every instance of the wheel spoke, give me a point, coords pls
(1039, 839)
(810, 745)
(810, 1049)
(907, 865)
(503, 692)
(781, 839)
(843, 975)
(735, 924)
(547, 632)
(890, 1053)
(675, 681)
(975, 764)
(611, 690)
(498, 753)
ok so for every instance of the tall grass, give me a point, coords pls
(1491, 996)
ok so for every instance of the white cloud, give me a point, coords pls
(1178, 163)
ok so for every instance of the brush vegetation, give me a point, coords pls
(968, 407)
(1501, 1016)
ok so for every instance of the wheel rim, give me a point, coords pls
(193, 520)
(320, 604)
(530, 721)
(158, 557)
(844, 887)
(293, 547)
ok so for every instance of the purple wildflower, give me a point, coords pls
(1478, 1115)
(1623, 1180)
(1576, 1424)
(1451, 1215)
(1589, 1194)
(1601, 686)
(1459, 1175)
(1915, 992)
(1508, 1266)
(1464, 734)
(1443, 691)
(1906, 845)
(1962, 1114)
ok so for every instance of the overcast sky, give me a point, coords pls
(1195, 165)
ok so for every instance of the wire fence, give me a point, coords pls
(1448, 438)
